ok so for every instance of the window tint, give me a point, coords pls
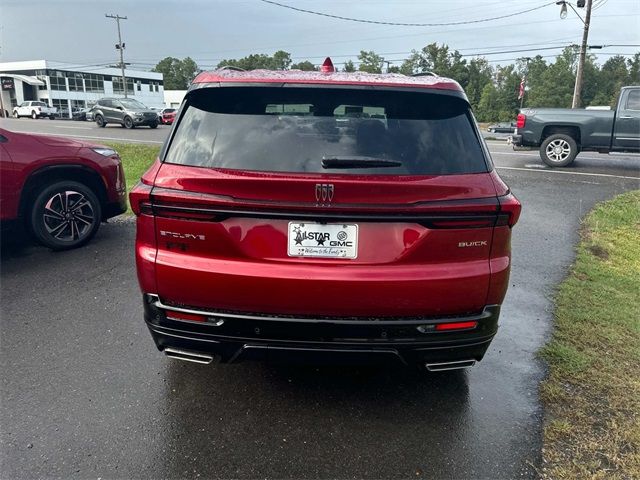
(294, 129)
(633, 100)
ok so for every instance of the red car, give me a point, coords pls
(60, 188)
(167, 116)
(325, 216)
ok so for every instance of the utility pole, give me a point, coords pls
(577, 91)
(120, 46)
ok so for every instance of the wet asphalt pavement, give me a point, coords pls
(86, 394)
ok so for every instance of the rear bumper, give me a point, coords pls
(234, 337)
(516, 140)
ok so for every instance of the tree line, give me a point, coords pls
(492, 90)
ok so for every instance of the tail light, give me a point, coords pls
(140, 198)
(510, 208)
(442, 327)
(521, 120)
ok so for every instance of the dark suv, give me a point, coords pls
(344, 217)
(127, 112)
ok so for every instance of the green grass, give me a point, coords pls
(136, 159)
(592, 393)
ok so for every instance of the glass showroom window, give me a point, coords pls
(94, 83)
(117, 85)
(75, 82)
(62, 105)
(58, 81)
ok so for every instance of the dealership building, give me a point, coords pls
(70, 87)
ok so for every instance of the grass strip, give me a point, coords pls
(592, 393)
(136, 159)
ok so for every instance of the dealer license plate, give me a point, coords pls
(324, 240)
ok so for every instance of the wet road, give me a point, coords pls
(86, 394)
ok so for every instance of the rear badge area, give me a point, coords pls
(322, 240)
(478, 243)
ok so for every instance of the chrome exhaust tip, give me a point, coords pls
(456, 365)
(188, 356)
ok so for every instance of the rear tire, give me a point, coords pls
(153, 125)
(558, 150)
(65, 215)
(100, 121)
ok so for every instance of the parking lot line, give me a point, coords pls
(563, 172)
(76, 128)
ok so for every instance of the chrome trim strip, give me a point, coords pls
(413, 321)
(188, 356)
(442, 366)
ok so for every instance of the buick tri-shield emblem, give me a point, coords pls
(324, 192)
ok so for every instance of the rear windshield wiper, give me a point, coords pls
(358, 162)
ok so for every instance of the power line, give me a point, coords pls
(399, 24)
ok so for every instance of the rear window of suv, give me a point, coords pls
(327, 130)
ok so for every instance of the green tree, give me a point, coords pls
(479, 74)
(488, 106)
(534, 71)
(177, 74)
(556, 83)
(349, 66)
(634, 69)
(306, 66)
(280, 60)
(613, 76)
(370, 62)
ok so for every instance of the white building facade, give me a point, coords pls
(173, 98)
(70, 87)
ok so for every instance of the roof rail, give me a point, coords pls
(424, 74)
(231, 67)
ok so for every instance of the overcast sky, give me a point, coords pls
(77, 31)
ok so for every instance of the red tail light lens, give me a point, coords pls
(139, 198)
(440, 327)
(510, 208)
(521, 119)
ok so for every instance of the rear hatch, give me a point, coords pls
(324, 202)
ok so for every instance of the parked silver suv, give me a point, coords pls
(127, 112)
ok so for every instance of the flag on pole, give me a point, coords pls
(521, 92)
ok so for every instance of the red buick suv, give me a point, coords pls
(59, 188)
(324, 216)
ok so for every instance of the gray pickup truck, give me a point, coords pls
(562, 133)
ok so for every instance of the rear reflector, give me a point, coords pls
(456, 326)
(190, 317)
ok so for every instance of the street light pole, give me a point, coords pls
(120, 46)
(577, 90)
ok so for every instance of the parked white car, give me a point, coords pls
(34, 109)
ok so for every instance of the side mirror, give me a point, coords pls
(120, 108)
